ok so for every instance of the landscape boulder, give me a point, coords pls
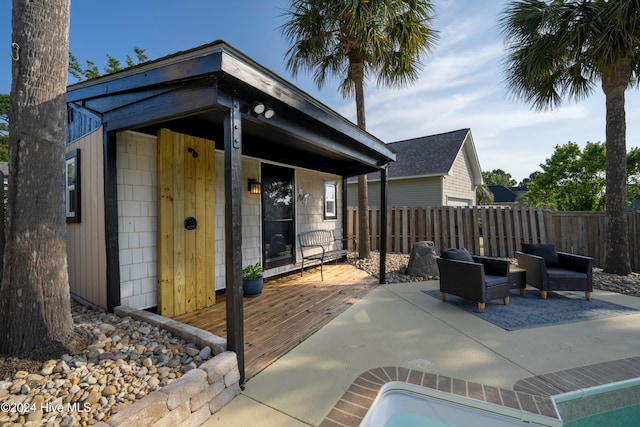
(422, 261)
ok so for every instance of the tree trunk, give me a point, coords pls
(364, 244)
(614, 85)
(34, 294)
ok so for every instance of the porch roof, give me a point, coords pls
(190, 91)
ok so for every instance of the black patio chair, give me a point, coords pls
(476, 278)
(548, 269)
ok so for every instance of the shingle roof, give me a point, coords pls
(431, 155)
(502, 194)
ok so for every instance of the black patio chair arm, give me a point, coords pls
(583, 264)
(535, 266)
(494, 266)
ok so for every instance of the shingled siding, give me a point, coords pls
(459, 185)
(137, 218)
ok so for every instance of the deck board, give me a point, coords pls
(290, 309)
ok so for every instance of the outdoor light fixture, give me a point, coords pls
(258, 107)
(269, 113)
(254, 186)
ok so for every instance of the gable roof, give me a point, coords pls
(502, 194)
(432, 155)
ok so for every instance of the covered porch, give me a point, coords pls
(218, 104)
(290, 309)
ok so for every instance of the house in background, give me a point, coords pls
(183, 170)
(507, 196)
(435, 170)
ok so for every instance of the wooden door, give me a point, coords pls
(186, 223)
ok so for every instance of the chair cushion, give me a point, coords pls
(546, 251)
(493, 280)
(562, 273)
(457, 254)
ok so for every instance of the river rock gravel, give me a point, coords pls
(127, 360)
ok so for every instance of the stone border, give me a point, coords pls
(191, 399)
(531, 394)
(356, 401)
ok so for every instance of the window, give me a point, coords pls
(330, 191)
(72, 186)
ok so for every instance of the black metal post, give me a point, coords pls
(344, 213)
(233, 232)
(383, 226)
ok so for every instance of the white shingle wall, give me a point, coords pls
(311, 216)
(250, 217)
(137, 218)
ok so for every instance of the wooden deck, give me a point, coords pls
(290, 309)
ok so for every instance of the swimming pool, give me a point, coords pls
(401, 404)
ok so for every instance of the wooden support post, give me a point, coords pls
(233, 232)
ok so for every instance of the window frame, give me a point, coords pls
(72, 190)
(327, 185)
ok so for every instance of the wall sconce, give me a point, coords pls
(259, 108)
(254, 186)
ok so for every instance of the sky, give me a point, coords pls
(461, 84)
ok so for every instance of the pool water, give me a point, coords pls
(621, 417)
(401, 404)
(611, 405)
(407, 419)
(405, 405)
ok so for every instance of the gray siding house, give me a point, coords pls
(434, 170)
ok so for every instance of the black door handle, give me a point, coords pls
(190, 223)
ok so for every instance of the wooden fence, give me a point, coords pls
(495, 231)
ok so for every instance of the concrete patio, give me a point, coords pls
(398, 325)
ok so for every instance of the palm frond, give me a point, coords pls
(389, 36)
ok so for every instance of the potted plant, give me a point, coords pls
(252, 280)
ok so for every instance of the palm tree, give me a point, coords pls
(564, 48)
(356, 40)
(484, 196)
(34, 293)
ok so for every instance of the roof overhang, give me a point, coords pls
(191, 92)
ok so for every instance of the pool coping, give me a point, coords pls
(532, 394)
